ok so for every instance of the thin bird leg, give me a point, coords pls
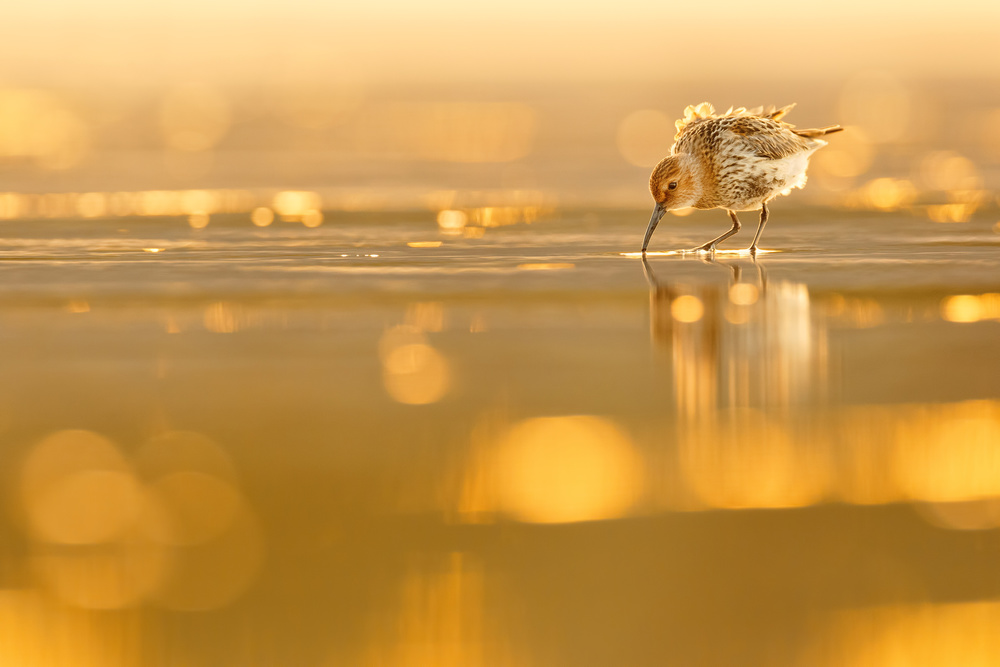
(710, 246)
(760, 228)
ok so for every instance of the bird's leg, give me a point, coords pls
(710, 246)
(760, 228)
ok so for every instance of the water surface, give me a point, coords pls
(375, 443)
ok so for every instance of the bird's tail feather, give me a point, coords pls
(818, 132)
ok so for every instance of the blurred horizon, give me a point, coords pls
(112, 109)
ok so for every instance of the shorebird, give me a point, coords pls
(739, 161)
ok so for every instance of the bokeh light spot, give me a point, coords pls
(645, 136)
(452, 221)
(416, 374)
(687, 308)
(86, 507)
(567, 469)
(743, 294)
(312, 218)
(961, 308)
(262, 216)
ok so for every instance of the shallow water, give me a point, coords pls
(292, 446)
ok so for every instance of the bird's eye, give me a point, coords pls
(673, 185)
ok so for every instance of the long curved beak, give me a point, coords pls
(658, 212)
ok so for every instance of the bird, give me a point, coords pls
(739, 161)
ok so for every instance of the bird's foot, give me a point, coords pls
(752, 250)
(708, 247)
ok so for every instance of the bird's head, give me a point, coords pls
(673, 186)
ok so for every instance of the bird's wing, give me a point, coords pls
(768, 139)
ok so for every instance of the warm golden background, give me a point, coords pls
(319, 345)
(547, 103)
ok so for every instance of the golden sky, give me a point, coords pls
(397, 41)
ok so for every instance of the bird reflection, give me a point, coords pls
(738, 341)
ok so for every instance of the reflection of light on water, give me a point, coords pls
(175, 529)
(856, 312)
(889, 194)
(36, 631)
(951, 212)
(503, 216)
(299, 205)
(413, 372)
(756, 347)
(735, 349)
(398, 336)
(546, 266)
(957, 177)
(451, 221)
(262, 216)
(426, 316)
(743, 294)
(222, 317)
(61, 488)
(971, 307)
(950, 456)
(687, 309)
(86, 507)
(567, 469)
(911, 636)
(198, 220)
(945, 459)
(416, 374)
(440, 618)
(111, 575)
(92, 204)
(312, 218)
(949, 171)
(741, 458)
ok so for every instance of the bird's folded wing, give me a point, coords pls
(772, 141)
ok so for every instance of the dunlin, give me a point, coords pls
(738, 161)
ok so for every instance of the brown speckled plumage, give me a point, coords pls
(738, 161)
